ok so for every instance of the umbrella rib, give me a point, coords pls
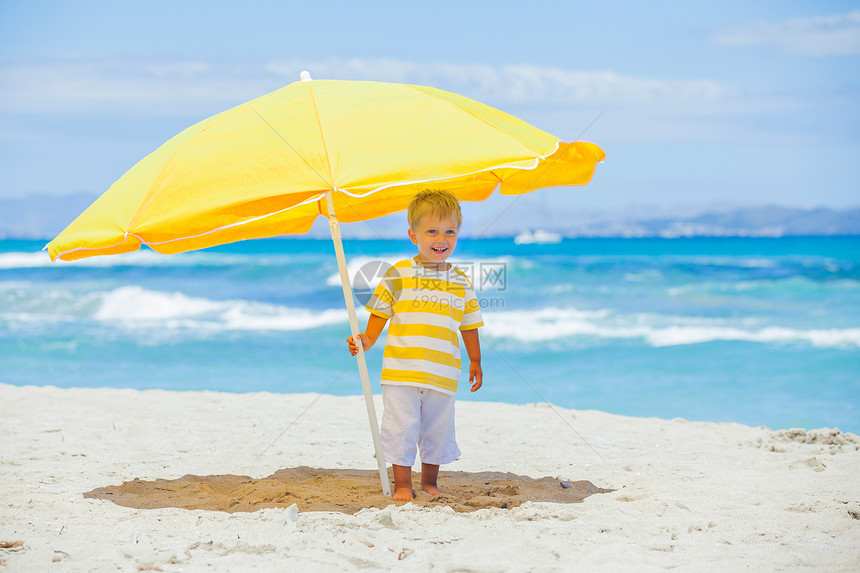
(537, 159)
(151, 191)
(538, 175)
(328, 163)
(313, 199)
(184, 238)
(164, 166)
(322, 134)
(60, 255)
(482, 120)
(354, 210)
(294, 150)
(491, 169)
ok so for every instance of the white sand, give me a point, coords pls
(690, 496)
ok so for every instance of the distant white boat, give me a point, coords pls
(537, 236)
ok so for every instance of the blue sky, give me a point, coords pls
(726, 103)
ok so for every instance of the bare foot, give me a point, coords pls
(402, 494)
(432, 490)
(429, 474)
(402, 483)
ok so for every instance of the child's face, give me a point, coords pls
(435, 237)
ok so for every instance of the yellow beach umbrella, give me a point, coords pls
(346, 150)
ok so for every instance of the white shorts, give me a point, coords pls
(417, 418)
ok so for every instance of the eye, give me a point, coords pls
(451, 232)
(431, 232)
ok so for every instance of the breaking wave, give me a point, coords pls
(552, 324)
(137, 307)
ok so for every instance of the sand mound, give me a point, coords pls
(824, 440)
(343, 490)
(823, 436)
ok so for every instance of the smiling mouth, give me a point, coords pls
(439, 249)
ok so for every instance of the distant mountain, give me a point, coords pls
(764, 221)
(44, 216)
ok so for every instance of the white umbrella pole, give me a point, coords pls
(353, 326)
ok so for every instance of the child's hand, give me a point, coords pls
(476, 374)
(365, 343)
(368, 338)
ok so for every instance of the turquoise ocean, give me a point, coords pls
(761, 331)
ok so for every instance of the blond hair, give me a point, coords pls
(433, 202)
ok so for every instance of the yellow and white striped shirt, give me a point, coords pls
(426, 308)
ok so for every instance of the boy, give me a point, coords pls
(428, 300)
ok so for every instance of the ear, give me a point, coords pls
(412, 236)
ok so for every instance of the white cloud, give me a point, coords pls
(564, 102)
(817, 36)
(182, 87)
(514, 83)
(122, 87)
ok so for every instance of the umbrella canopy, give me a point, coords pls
(263, 168)
(271, 166)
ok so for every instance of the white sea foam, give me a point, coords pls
(793, 282)
(142, 258)
(548, 324)
(743, 262)
(643, 276)
(25, 260)
(822, 338)
(136, 306)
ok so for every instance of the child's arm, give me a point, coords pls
(473, 349)
(375, 324)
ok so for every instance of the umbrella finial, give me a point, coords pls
(305, 76)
